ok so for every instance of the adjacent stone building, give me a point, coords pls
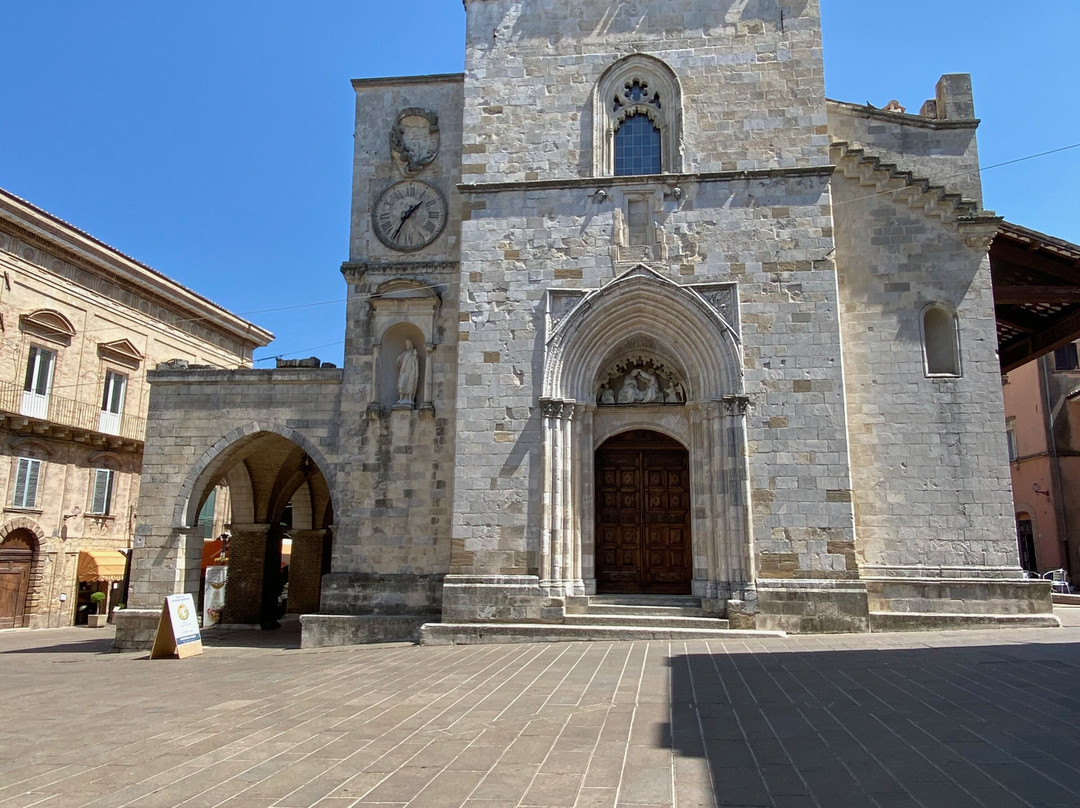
(633, 309)
(81, 323)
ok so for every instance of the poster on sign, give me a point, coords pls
(178, 629)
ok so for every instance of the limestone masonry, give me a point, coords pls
(683, 327)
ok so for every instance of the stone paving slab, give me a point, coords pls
(949, 720)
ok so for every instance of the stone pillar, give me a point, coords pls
(558, 539)
(740, 538)
(165, 561)
(305, 570)
(244, 588)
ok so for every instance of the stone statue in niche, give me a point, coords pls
(640, 381)
(408, 366)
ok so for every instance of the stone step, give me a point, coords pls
(685, 601)
(630, 610)
(501, 633)
(651, 620)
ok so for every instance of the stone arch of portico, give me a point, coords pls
(644, 312)
(213, 462)
(266, 465)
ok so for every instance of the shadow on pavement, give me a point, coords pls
(957, 727)
(287, 637)
(102, 645)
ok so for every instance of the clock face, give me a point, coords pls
(409, 215)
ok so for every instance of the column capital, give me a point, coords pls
(736, 405)
(557, 408)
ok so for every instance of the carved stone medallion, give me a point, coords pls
(414, 139)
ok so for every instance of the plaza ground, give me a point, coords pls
(950, 719)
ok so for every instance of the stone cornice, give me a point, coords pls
(977, 226)
(903, 117)
(53, 236)
(570, 183)
(355, 270)
(275, 376)
(392, 81)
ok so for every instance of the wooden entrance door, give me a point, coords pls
(16, 557)
(643, 515)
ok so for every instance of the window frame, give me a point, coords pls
(32, 380)
(610, 111)
(108, 491)
(23, 467)
(108, 393)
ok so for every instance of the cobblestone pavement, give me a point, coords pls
(956, 719)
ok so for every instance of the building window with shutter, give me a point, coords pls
(27, 476)
(101, 503)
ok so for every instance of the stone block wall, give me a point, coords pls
(532, 68)
(931, 479)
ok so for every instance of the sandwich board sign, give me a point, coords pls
(178, 629)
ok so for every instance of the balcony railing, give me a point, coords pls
(67, 412)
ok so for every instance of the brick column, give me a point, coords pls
(243, 590)
(305, 571)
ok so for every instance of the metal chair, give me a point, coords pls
(1059, 581)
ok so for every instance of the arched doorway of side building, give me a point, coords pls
(643, 542)
(17, 556)
(275, 516)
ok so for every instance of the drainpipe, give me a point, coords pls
(1055, 472)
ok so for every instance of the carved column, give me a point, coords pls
(584, 542)
(708, 494)
(556, 544)
(427, 402)
(736, 475)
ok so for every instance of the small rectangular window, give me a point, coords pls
(27, 474)
(103, 491)
(1065, 358)
(1010, 437)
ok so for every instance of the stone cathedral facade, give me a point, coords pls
(633, 309)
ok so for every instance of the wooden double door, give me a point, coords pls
(643, 515)
(16, 556)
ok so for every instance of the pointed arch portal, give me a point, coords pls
(683, 362)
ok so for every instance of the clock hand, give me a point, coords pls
(405, 217)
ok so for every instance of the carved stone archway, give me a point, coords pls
(677, 336)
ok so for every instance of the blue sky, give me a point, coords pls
(213, 141)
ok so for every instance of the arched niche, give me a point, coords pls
(396, 340)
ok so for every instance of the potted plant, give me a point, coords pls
(97, 619)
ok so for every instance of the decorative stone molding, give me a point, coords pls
(640, 379)
(414, 139)
(355, 271)
(736, 406)
(977, 226)
(48, 325)
(637, 85)
(122, 352)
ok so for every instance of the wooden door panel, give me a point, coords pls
(643, 521)
(13, 581)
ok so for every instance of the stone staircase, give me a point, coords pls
(600, 618)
